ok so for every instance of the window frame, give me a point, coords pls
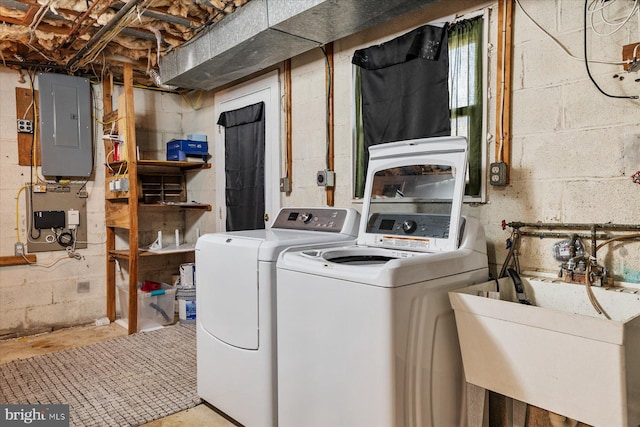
(482, 197)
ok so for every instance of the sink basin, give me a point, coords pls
(559, 353)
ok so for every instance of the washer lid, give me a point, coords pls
(413, 194)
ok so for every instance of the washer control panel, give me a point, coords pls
(316, 219)
(413, 225)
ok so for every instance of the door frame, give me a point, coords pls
(265, 88)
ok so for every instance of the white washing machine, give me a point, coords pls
(236, 294)
(366, 334)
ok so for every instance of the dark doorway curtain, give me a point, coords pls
(404, 87)
(244, 167)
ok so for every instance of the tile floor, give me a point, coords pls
(24, 347)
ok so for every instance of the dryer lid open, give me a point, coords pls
(413, 194)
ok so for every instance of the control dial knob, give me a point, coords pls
(409, 226)
(306, 217)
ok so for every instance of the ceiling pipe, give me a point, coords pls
(118, 16)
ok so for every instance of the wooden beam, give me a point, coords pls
(288, 124)
(504, 82)
(130, 146)
(17, 260)
(107, 110)
(25, 103)
(330, 82)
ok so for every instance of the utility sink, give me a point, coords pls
(558, 353)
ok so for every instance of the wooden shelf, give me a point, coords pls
(178, 205)
(152, 185)
(172, 250)
(143, 165)
(17, 260)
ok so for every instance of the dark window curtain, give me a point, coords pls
(404, 90)
(465, 55)
(244, 167)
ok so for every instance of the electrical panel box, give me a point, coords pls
(65, 125)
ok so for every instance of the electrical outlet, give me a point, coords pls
(498, 173)
(25, 126)
(325, 178)
(285, 185)
(19, 249)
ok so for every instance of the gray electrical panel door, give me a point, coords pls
(65, 125)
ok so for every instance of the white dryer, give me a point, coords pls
(236, 294)
(366, 334)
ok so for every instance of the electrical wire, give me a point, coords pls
(328, 103)
(502, 87)
(604, 5)
(562, 46)
(586, 61)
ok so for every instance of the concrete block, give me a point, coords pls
(8, 152)
(537, 111)
(543, 12)
(631, 150)
(26, 294)
(52, 315)
(585, 107)
(528, 201)
(599, 201)
(542, 63)
(8, 104)
(91, 309)
(171, 103)
(11, 320)
(564, 155)
(159, 120)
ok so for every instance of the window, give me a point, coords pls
(467, 103)
(466, 95)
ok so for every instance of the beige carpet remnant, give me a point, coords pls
(126, 381)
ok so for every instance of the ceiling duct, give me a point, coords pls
(265, 32)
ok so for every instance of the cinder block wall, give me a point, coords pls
(573, 149)
(35, 299)
(573, 153)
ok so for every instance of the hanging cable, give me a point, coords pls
(586, 60)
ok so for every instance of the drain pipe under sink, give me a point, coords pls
(558, 420)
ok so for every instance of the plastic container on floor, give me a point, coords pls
(155, 309)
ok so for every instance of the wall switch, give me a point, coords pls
(498, 173)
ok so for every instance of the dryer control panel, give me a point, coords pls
(317, 219)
